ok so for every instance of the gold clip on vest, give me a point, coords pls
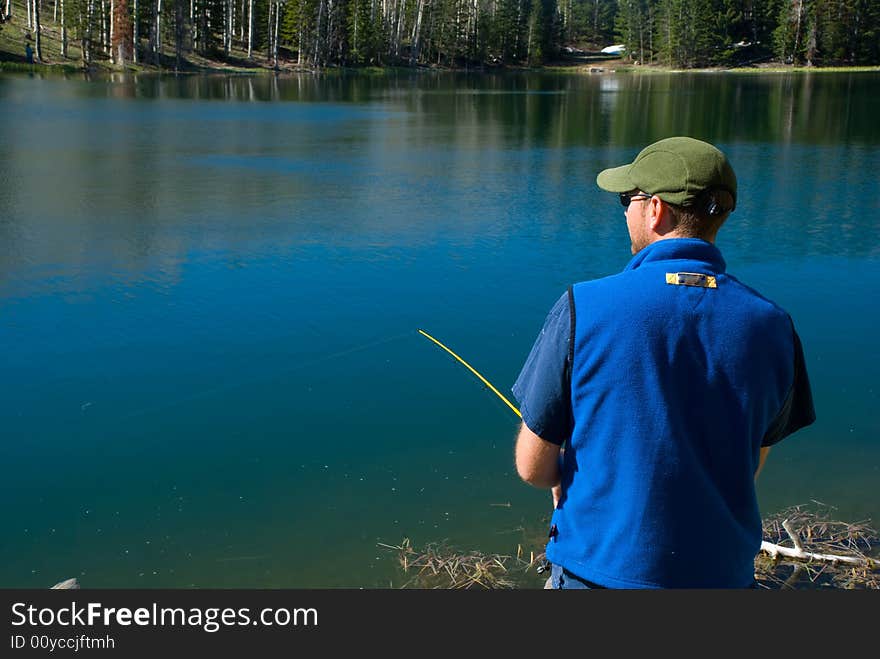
(691, 279)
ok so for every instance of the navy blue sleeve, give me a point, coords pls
(543, 387)
(797, 411)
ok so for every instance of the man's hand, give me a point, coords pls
(556, 491)
(762, 458)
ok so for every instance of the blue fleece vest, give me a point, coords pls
(673, 388)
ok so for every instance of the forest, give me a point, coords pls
(453, 33)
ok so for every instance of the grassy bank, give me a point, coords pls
(620, 66)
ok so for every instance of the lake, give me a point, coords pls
(210, 291)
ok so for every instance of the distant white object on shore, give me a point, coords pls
(618, 49)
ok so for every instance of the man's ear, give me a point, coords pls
(658, 213)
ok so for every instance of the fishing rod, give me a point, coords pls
(474, 371)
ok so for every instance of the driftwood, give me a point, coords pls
(804, 547)
(802, 554)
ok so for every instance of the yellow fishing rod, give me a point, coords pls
(474, 371)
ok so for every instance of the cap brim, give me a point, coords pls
(616, 179)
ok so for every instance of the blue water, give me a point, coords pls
(210, 291)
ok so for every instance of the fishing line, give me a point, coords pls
(474, 371)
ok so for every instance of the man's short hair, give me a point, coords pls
(703, 217)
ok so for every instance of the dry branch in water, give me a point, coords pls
(805, 548)
(438, 565)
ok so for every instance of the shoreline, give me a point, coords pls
(222, 69)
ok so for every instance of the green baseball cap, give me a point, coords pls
(676, 169)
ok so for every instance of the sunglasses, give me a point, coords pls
(627, 197)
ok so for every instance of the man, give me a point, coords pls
(651, 397)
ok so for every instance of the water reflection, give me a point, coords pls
(139, 164)
(625, 108)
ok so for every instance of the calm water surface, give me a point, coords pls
(210, 290)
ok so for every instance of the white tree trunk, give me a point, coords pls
(275, 47)
(417, 28)
(227, 30)
(63, 32)
(87, 35)
(250, 27)
(158, 27)
(355, 37)
(113, 59)
(299, 53)
(135, 36)
(38, 31)
(400, 14)
(105, 42)
(269, 32)
(193, 24)
(318, 31)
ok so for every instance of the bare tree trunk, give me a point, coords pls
(517, 44)
(87, 34)
(193, 25)
(8, 8)
(275, 40)
(178, 33)
(227, 28)
(355, 37)
(250, 27)
(328, 40)
(113, 58)
(38, 30)
(400, 13)
(55, 12)
(63, 32)
(156, 29)
(302, 46)
(29, 21)
(135, 34)
(529, 44)
(318, 31)
(269, 33)
(105, 42)
(472, 35)
(417, 27)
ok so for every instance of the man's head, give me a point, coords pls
(677, 187)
